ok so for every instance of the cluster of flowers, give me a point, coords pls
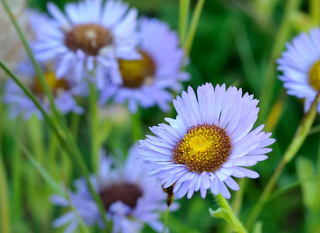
(131, 60)
(139, 62)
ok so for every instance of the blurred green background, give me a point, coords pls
(233, 45)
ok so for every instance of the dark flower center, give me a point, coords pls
(204, 148)
(135, 73)
(90, 38)
(54, 84)
(125, 192)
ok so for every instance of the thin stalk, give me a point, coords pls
(136, 126)
(68, 144)
(35, 131)
(293, 148)
(94, 127)
(225, 205)
(280, 40)
(166, 220)
(193, 27)
(184, 8)
(16, 175)
(4, 200)
(74, 126)
(53, 146)
(4, 190)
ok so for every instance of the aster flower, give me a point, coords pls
(64, 91)
(300, 64)
(210, 141)
(88, 39)
(129, 200)
(146, 81)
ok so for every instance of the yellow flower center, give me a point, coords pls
(204, 148)
(54, 84)
(135, 73)
(90, 38)
(314, 76)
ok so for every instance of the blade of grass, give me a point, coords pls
(4, 200)
(94, 126)
(184, 8)
(193, 27)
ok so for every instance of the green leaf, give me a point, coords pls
(224, 214)
(306, 170)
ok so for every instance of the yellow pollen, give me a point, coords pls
(204, 148)
(314, 76)
(54, 84)
(90, 38)
(135, 73)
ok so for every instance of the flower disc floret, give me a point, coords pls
(203, 149)
(90, 38)
(135, 73)
(125, 192)
(314, 76)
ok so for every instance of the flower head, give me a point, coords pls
(88, 39)
(147, 81)
(63, 90)
(129, 200)
(210, 141)
(300, 64)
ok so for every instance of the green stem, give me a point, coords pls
(16, 175)
(193, 26)
(94, 127)
(4, 200)
(136, 126)
(184, 8)
(53, 146)
(35, 132)
(4, 190)
(166, 220)
(281, 38)
(225, 205)
(74, 125)
(291, 151)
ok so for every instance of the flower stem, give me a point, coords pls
(291, 151)
(4, 190)
(94, 127)
(225, 205)
(136, 126)
(184, 8)
(166, 220)
(193, 27)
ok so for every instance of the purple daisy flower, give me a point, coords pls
(210, 141)
(147, 81)
(88, 39)
(63, 89)
(301, 67)
(129, 200)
